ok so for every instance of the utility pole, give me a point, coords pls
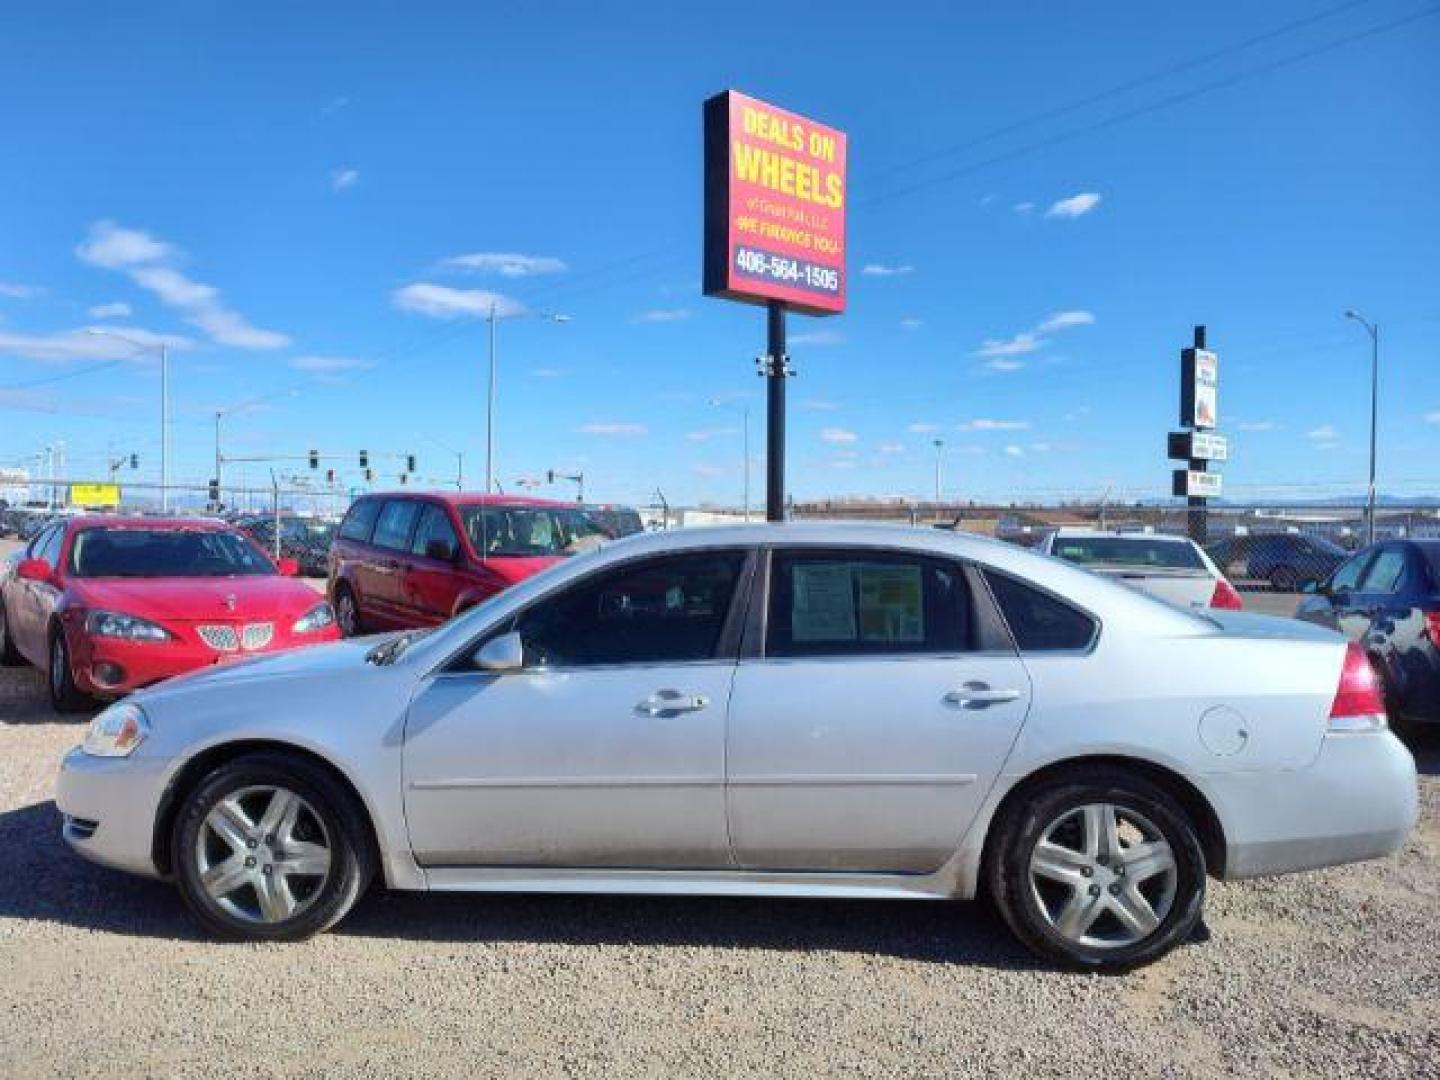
(164, 428)
(939, 466)
(490, 413)
(1373, 329)
(775, 366)
(218, 414)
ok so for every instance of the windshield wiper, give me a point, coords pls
(387, 652)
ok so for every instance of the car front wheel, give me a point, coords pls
(347, 612)
(9, 655)
(270, 848)
(1098, 869)
(65, 696)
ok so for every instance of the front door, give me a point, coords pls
(431, 582)
(866, 736)
(607, 749)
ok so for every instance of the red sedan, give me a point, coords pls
(106, 605)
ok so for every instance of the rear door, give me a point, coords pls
(872, 709)
(32, 601)
(388, 558)
(1380, 602)
(1335, 606)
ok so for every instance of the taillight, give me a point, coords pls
(1432, 626)
(1359, 704)
(1225, 596)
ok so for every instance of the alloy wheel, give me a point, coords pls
(263, 854)
(1103, 876)
(345, 612)
(59, 661)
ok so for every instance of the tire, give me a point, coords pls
(65, 696)
(1284, 579)
(9, 655)
(1082, 911)
(255, 907)
(347, 612)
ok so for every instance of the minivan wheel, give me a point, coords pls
(65, 696)
(270, 848)
(1098, 869)
(347, 612)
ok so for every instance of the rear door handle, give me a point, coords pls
(979, 695)
(666, 703)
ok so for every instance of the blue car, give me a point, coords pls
(1386, 597)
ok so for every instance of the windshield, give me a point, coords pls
(530, 530)
(1128, 551)
(150, 553)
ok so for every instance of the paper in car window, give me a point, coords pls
(892, 606)
(823, 603)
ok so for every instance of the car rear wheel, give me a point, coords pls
(65, 696)
(347, 612)
(9, 655)
(271, 848)
(1098, 869)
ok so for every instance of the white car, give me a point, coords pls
(796, 710)
(1171, 568)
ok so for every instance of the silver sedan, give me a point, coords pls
(798, 710)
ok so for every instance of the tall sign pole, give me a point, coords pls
(1199, 443)
(775, 198)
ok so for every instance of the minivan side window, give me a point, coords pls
(1038, 621)
(360, 521)
(435, 537)
(866, 603)
(392, 529)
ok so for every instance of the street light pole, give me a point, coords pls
(939, 451)
(164, 350)
(493, 318)
(218, 414)
(1374, 331)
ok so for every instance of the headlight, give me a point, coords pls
(115, 624)
(117, 731)
(317, 618)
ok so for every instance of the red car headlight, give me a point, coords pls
(116, 624)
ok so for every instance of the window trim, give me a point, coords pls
(727, 646)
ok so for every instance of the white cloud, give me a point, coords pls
(819, 405)
(1075, 206)
(890, 448)
(16, 291)
(662, 315)
(443, 302)
(117, 310)
(80, 345)
(1323, 433)
(707, 435)
(886, 270)
(115, 248)
(341, 179)
(1002, 365)
(1256, 425)
(838, 436)
(1014, 451)
(909, 322)
(709, 470)
(548, 373)
(1015, 346)
(921, 427)
(505, 263)
(818, 337)
(334, 105)
(842, 463)
(984, 424)
(1063, 320)
(1433, 417)
(1023, 207)
(329, 364)
(1040, 447)
(613, 430)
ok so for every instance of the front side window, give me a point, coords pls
(1038, 621)
(664, 610)
(1348, 576)
(151, 553)
(435, 536)
(392, 530)
(498, 531)
(360, 521)
(1385, 572)
(866, 603)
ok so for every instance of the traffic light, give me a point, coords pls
(404, 478)
(410, 463)
(314, 459)
(369, 475)
(549, 476)
(215, 492)
(329, 476)
(134, 461)
(364, 460)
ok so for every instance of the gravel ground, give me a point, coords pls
(1318, 975)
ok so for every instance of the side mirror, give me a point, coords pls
(288, 567)
(504, 653)
(33, 570)
(441, 550)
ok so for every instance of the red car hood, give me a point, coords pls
(516, 568)
(266, 596)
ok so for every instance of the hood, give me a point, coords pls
(515, 568)
(267, 596)
(307, 660)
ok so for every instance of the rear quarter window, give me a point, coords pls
(1038, 621)
(360, 521)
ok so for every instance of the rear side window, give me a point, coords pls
(1038, 621)
(360, 521)
(1385, 572)
(392, 530)
(866, 603)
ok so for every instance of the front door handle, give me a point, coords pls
(979, 695)
(665, 703)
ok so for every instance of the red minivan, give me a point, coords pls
(403, 560)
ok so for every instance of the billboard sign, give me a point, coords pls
(1199, 388)
(775, 198)
(1190, 483)
(1199, 446)
(105, 496)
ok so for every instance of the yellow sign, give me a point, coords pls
(106, 495)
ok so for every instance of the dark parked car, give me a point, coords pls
(306, 540)
(1386, 597)
(1288, 561)
(410, 560)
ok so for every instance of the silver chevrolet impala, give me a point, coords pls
(796, 710)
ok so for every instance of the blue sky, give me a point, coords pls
(311, 203)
